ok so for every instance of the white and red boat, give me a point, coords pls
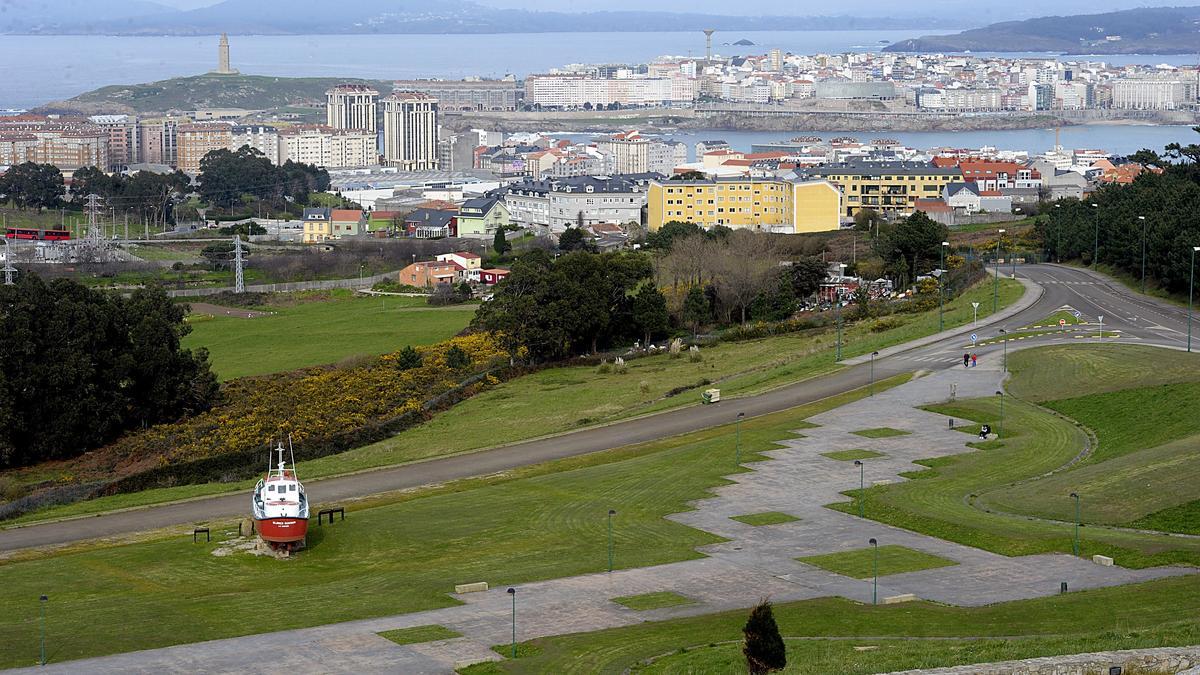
(280, 506)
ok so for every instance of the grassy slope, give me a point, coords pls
(1065, 371)
(314, 333)
(251, 92)
(537, 523)
(506, 413)
(1143, 615)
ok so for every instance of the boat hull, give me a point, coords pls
(282, 530)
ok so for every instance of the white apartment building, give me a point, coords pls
(328, 147)
(959, 100)
(1134, 94)
(410, 131)
(663, 157)
(574, 91)
(351, 106)
(559, 203)
(261, 137)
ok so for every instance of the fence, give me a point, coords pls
(365, 282)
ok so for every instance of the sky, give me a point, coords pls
(986, 11)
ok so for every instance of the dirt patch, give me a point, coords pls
(217, 310)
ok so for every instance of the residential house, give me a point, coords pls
(994, 201)
(318, 225)
(468, 261)
(427, 274)
(481, 217)
(347, 223)
(962, 197)
(769, 204)
(431, 224)
(492, 276)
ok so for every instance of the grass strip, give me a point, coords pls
(860, 563)
(648, 601)
(416, 634)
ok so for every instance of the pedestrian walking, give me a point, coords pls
(974, 360)
(966, 360)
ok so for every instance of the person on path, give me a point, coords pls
(974, 360)
(966, 360)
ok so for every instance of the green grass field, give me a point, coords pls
(983, 498)
(766, 518)
(417, 634)
(860, 563)
(821, 635)
(327, 331)
(405, 554)
(506, 413)
(880, 432)
(648, 601)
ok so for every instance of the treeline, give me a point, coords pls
(146, 195)
(79, 367)
(226, 176)
(1157, 211)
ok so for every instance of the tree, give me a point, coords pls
(695, 309)
(31, 185)
(763, 647)
(573, 240)
(866, 220)
(807, 275)
(650, 311)
(500, 242)
(911, 245)
(689, 175)
(409, 358)
(456, 358)
(663, 237)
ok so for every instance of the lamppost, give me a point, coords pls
(1005, 334)
(875, 575)
(1096, 242)
(1143, 219)
(42, 601)
(942, 286)
(862, 484)
(1191, 288)
(996, 277)
(1000, 427)
(513, 593)
(737, 426)
(838, 356)
(1058, 231)
(873, 355)
(1075, 543)
(611, 513)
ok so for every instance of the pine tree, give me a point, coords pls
(763, 648)
(409, 359)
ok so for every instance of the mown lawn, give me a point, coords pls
(861, 563)
(822, 635)
(537, 523)
(327, 331)
(1069, 371)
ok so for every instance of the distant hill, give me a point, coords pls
(300, 17)
(250, 92)
(49, 16)
(1149, 30)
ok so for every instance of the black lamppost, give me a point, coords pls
(1000, 428)
(611, 513)
(1096, 243)
(873, 355)
(737, 456)
(42, 600)
(1075, 544)
(942, 286)
(862, 484)
(1005, 334)
(513, 593)
(1143, 219)
(875, 576)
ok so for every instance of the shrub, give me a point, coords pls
(604, 368)
(886, 324)
(694, 355)
(644, 387)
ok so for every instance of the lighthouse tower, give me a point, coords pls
(223, 58)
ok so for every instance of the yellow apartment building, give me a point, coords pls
(767, 204)
(890, 188)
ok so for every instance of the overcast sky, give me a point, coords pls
(969, 11)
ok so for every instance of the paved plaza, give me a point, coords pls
(755, 562)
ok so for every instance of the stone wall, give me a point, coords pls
(1179, 660)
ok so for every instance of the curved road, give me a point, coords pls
(1137, 317)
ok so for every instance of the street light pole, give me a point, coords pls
(862, 484)
(42, 600)
(1143, 219)
(1005, 334)
(1191, 288)
(513, 593)
(942, 287)
(996, 276)
(838, 356)
(875, 575)
(1075, 544)
(737, 457)
(873, 355)
(611, 513)
(1000, 428)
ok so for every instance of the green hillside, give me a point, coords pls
(250, 92)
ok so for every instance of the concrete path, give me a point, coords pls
(756, 562)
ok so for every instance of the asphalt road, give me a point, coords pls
(1139, 318)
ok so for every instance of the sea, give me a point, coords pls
(38, 69)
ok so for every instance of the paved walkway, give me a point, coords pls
(754, 563)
